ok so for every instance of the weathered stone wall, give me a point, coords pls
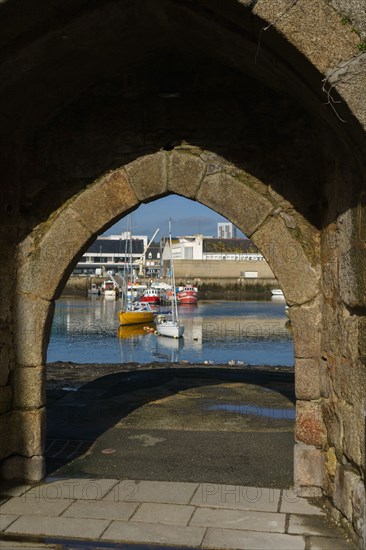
(343, 365)
(7, 362)
(254, 108)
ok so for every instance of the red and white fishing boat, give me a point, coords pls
(188, 295)
(151, 295)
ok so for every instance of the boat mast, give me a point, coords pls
(175, 305)
(125, 278)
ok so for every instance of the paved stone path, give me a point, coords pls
(194, 515)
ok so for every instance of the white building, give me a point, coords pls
(199, 247)
(114, 252)
(185, 248)
(226, 230)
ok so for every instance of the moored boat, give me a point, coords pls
(169, 325)
(151, 296)
(109, 289)
(277, 292)
(188, 295)
(135, 314)
(135, 291)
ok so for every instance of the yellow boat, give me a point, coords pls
(136, 314)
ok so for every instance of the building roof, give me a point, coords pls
(121, 246)
(220, 246)
(155, 249)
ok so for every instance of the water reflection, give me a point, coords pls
(168, 349)
(86, 330)
(128, 331)
(248, 409)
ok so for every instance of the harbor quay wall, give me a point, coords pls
(210, 285)
(78, 286)
(221, 271)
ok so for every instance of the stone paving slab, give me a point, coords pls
(72, 489)
(250, 540)
(30, 505)
(168, 492)
(298, 505)
(237, 497)
(6, 520)
(327, 543)
(11, 545)
(239, 519)
(152, 533)
(59, 527)
(8, 489)
(101, 510)
(310, 525)
(174, 514)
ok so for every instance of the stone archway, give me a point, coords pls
(286, 239)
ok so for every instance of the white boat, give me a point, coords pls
(169, 325)
(276, 292)
(109, 289)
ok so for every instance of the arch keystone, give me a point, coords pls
(148, 176)
(185, 173)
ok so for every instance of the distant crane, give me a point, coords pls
(119, 283)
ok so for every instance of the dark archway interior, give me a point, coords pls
(93, 85)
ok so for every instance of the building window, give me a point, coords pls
(188, 253)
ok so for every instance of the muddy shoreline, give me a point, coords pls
(70, 375)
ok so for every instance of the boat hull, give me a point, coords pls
(188, 295)
(109, 294)
(135, 317)
(276, 292)
(150, 300)
(187, 299)
(170, 329)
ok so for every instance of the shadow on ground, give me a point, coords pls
(213, 425)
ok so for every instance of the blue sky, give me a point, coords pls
(188, 218)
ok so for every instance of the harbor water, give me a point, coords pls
(226, 332)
